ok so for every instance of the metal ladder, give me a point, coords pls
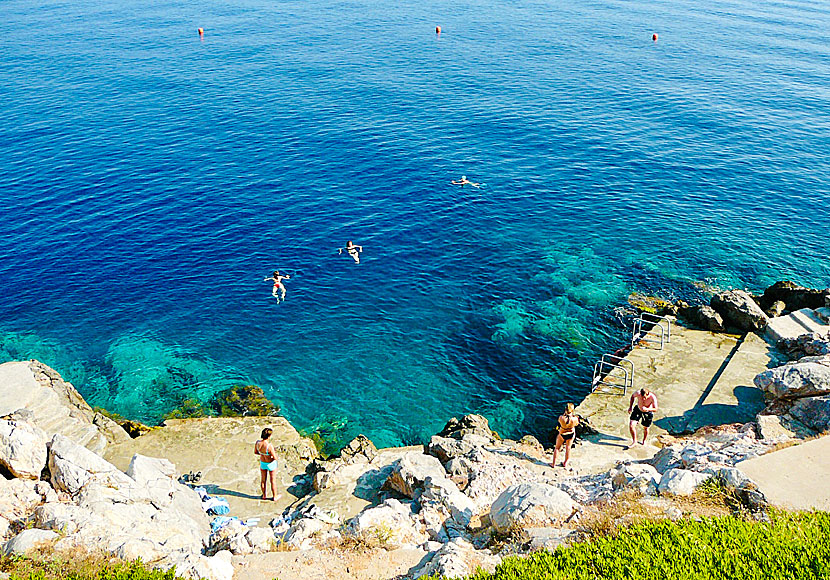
(604, 373)
(654, 324)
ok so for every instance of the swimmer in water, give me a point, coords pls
(464, 181)
(353, 250)
(278, 291)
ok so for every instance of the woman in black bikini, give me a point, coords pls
(567, 430)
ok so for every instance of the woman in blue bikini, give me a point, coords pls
(267, 462)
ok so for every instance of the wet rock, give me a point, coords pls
(807, 377)
(681, 481)
(243, 401)
(22, 449)
(814, 412)
(133, 428)
(468, 425)
(29, 540)
(412, 470)
(704, 317)
(740, 310)
(457, 559)
(794, 296)
(529, 505)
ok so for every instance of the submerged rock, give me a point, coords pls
(243, 401)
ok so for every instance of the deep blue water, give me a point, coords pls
(150, 179)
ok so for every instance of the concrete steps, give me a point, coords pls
(800, 322)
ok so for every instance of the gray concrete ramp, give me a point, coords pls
(794, 478)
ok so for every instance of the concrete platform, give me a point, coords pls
(799, 322)
(700, 378)
(796, 477)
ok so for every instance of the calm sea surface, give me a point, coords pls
(150, 180)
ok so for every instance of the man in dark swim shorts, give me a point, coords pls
(643, 413)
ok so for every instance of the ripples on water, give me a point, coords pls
(151, 180)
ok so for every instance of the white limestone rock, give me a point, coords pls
(807, 377)
(72, 467)
(22, 448)
(531, 505)
(261, 539)
(681, 481)
(814, 412)
(29, 540)
(18, 497)
(412, 470)
(457, 559)
(641, 477)
(197, 567)
(667, 458)
(392, 521)
(445, 493)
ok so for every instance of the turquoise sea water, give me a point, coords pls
(150, 179)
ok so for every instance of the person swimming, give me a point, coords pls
(278, 290)
(464, 181)
(353, 250)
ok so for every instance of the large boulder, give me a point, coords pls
(667, 458)
(681, 481)
(18, 497)
(447, 448)
(29, 540)
(412, 470)
(530, 505)
(71, 467)
(197, 567)
(703, 316)
(457, 559)
(22, 449)
(393, 523)
(814, 412)
(738, 309)
(640, 477)
(794, 296)
(444, 494)
(359, 450)
(468, 425)
(807, 377)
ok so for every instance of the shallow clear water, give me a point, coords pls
(151, 180)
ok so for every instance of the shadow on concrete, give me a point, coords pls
(606, 440)
(750, 401)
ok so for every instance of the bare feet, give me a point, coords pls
(630, 446)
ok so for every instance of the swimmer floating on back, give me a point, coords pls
(464, 181)
(278, 291)
(353, 250)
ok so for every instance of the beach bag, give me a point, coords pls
(219, 506)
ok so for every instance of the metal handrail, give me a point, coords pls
(639, 335)
(621, 361)
(599, 378)
(659, 320)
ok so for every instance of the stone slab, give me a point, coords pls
(795, 477)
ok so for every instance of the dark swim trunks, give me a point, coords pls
(645, 418)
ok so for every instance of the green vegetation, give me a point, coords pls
(788, 547)
(78, 568)
(188, 409)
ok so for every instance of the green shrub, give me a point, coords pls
(789, 547)
(81, 568)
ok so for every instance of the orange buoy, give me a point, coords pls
(437, 30)
(654, 37)
(201, 31)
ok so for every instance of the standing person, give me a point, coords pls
(353, 250)
(567, 431)
(278, 291)
(267, 461)
(643, 413)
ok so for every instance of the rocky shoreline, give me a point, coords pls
(463, 501)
